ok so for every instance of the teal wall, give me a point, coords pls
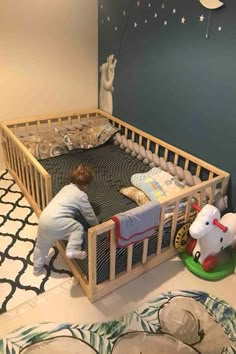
(170, 80)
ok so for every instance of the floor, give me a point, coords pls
(66, 302)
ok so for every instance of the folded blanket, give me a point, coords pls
(136, 224)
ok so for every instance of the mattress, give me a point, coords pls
(113, 170)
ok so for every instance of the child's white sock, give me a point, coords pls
(38, 269)
(78, 254)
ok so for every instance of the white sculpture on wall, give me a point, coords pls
(107, 70)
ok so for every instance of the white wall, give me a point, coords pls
(48, 57)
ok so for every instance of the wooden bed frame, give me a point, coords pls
(35, 183)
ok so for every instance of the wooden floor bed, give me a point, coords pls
(36, 184)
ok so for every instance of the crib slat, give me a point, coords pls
(174, 222)
(27, 175)
(145, 251)
(36, 177)
(198, 170)
(156, 149)
(32, 180)
(160, 230)
(22, 162)
(129, 258)
(212, 193)
(166, 154)
(43, 203)
(112, 255)
(188, 208)
(176, 159)
(186, 164)
(133, 136)
(92, 261)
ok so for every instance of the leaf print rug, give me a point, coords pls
(182, 322)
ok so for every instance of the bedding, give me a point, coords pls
(50, 142)
(154, 184)
(113, 170)
(157, 184)
(136, 224)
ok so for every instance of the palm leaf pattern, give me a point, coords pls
(102, 336)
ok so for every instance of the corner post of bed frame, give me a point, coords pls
(92, 262)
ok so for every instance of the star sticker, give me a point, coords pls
(165, 23)
(183, 20)
(201, 18)
(145, 21)
(162, 6)
(135, 24)
(174, 11)
(219, 28)
(155, 15)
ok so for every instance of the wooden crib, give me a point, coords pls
(35, 183)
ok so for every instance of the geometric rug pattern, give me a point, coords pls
(18, 230)
(178, 322)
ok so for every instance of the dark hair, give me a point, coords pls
(81, 175)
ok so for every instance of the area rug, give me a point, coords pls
(175, 322)
(18, 230)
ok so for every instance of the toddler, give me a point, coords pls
(57, 220)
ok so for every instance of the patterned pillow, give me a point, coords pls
(51, 142)
(135, 194)
(157, 184)
(96, 134)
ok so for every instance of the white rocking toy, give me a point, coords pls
(210, 235)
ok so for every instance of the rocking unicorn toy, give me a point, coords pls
(210, 234)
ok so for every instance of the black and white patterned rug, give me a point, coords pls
(18, 229)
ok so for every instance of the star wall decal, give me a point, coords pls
(155, 15)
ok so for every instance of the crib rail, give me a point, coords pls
(31, 177)
(96, 291)
(35, 182)
(170, 153)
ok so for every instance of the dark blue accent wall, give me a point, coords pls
(170, 80)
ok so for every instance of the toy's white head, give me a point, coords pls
(204, 221)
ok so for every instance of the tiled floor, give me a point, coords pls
(18, 230)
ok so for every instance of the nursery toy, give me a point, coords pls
(209, 236)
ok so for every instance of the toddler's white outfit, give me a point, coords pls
(57, 222)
